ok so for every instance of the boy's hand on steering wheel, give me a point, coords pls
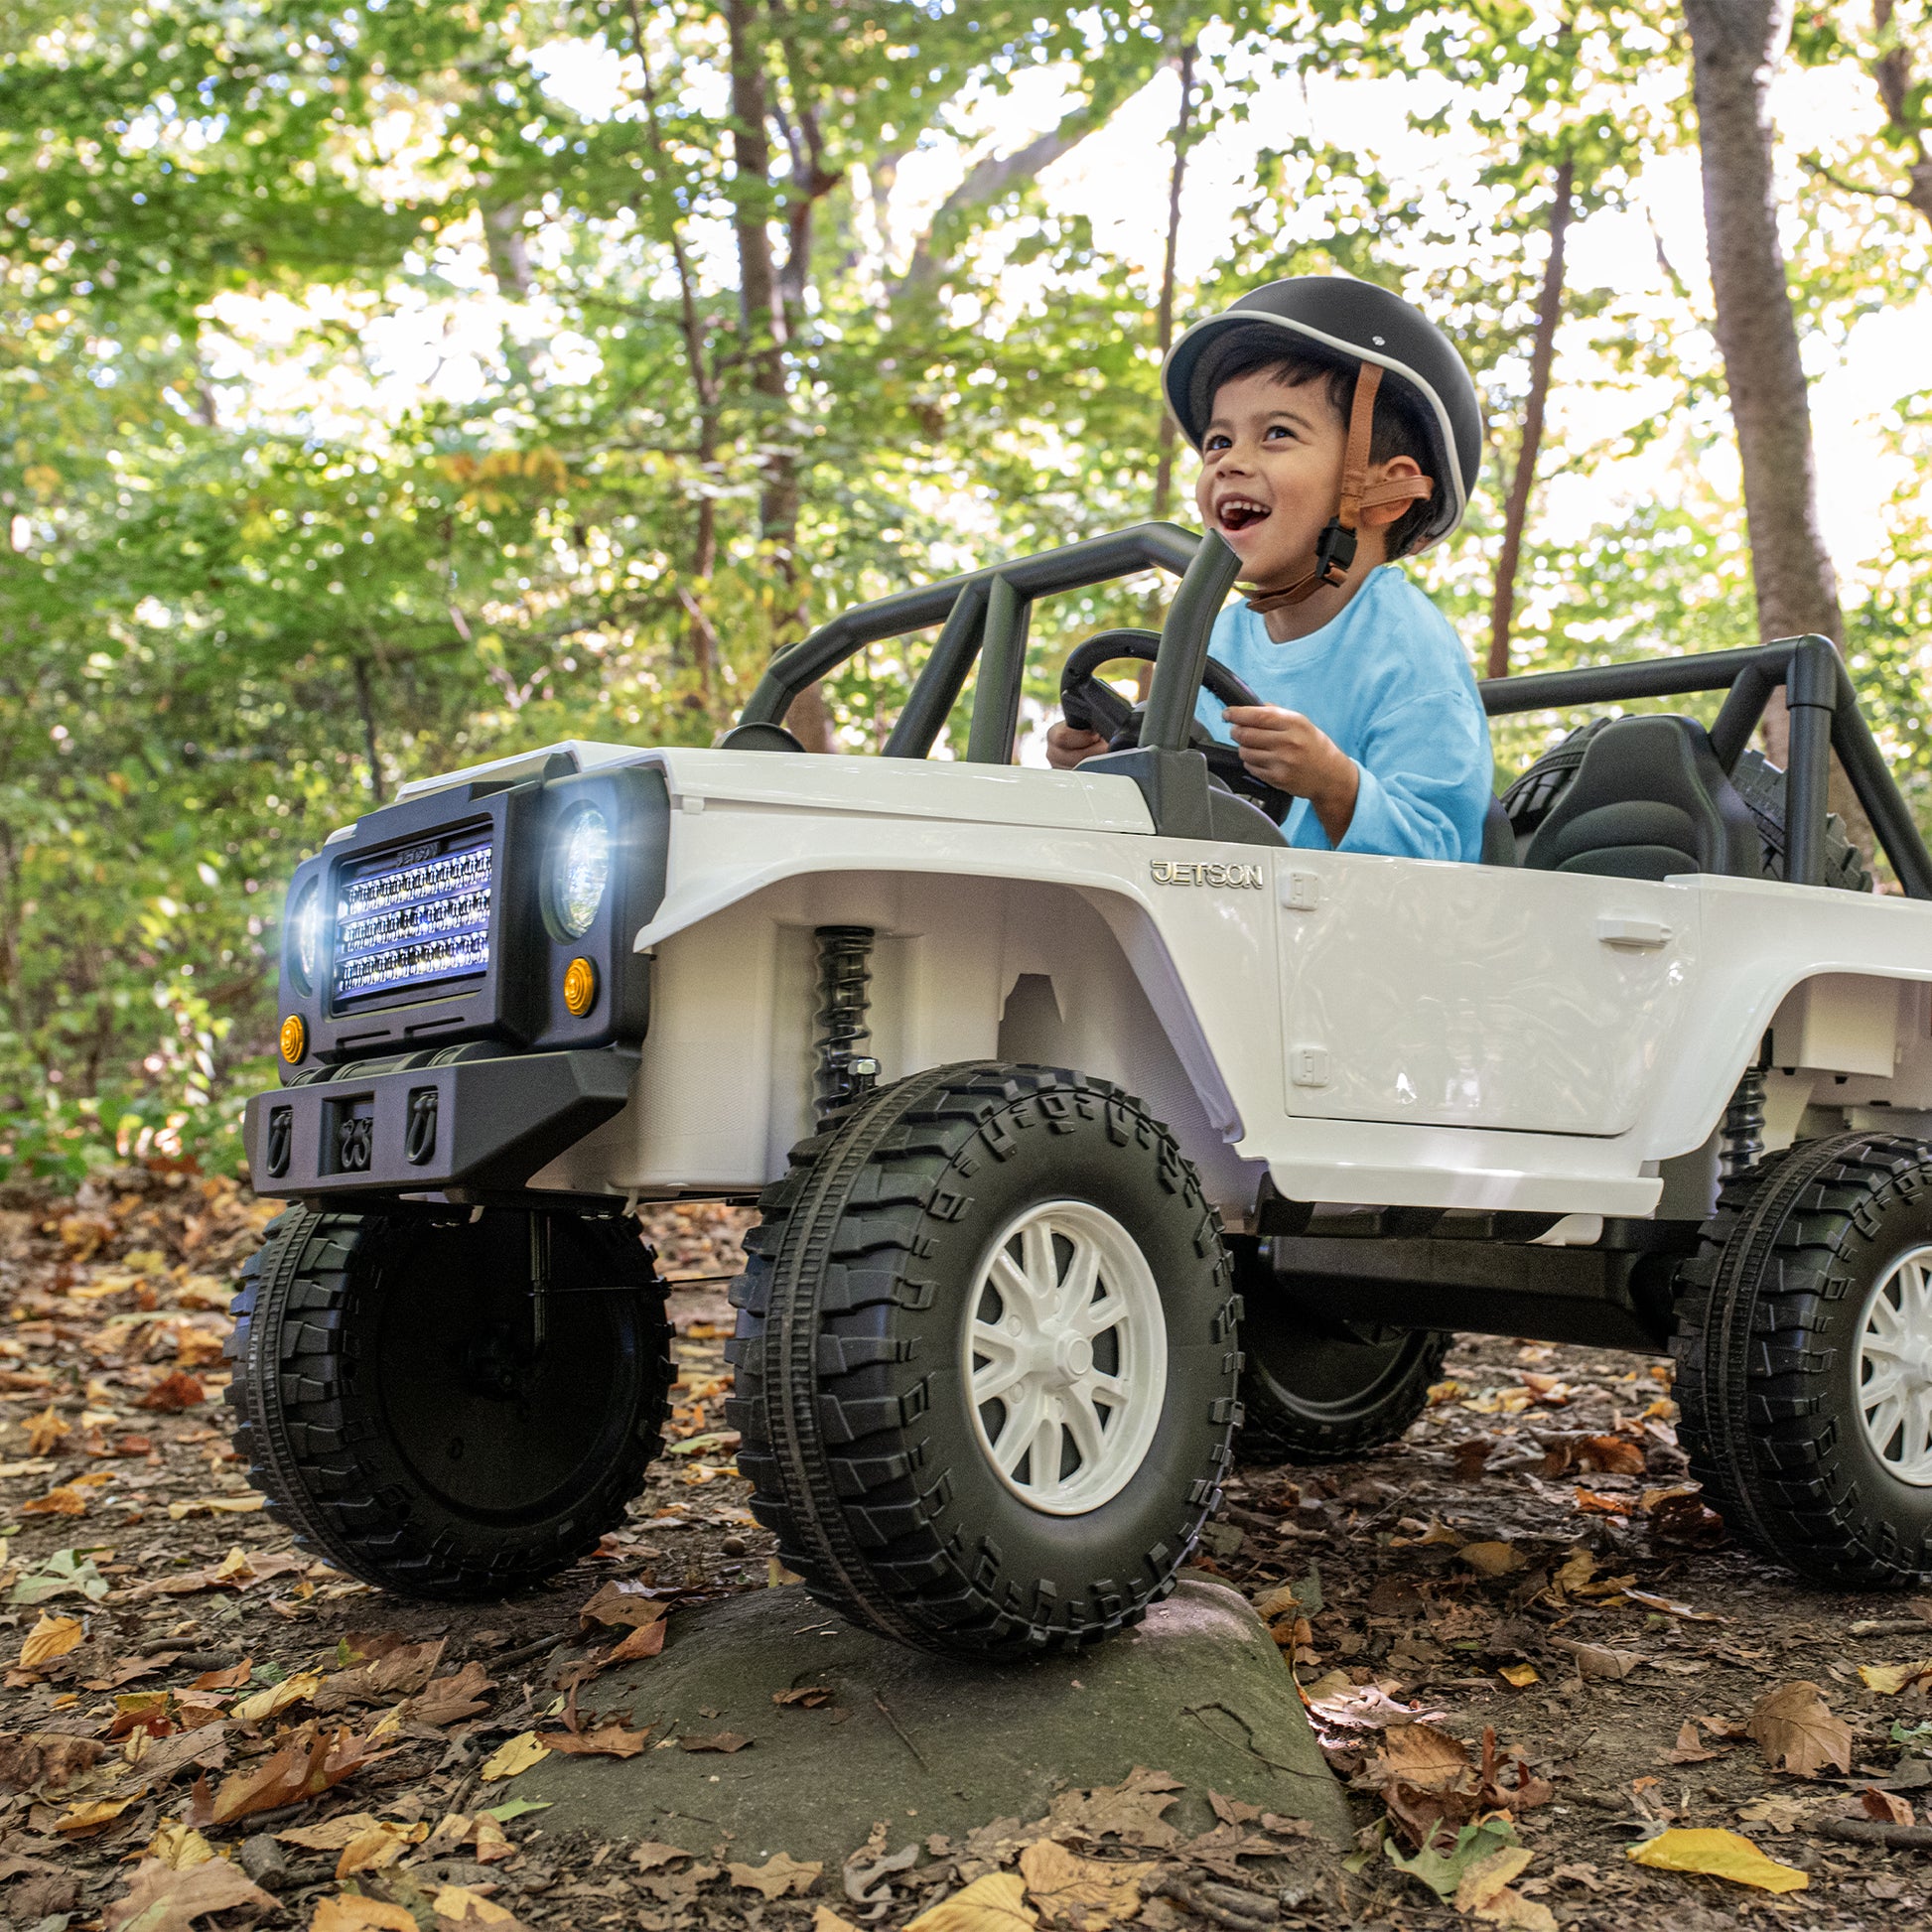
(1069, 746)
(1283, 749)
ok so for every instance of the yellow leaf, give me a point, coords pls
(827, 1920)
(278, 1697)
(995, 1903)
(51, 1637)
(371, 1850)
(508, 1760)
(1890, 1679)
(462, 1906)
(179, 1847)
(1719, 1854)
(85, 1819)
(216, 1507)
(352, 1914)
(1074, 1890)
(1520, 1675)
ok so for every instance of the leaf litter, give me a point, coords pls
(1464, 1586)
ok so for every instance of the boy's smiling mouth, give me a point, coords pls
(1239, 512)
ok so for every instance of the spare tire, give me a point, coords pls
(1758, 783)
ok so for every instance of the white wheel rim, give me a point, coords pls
(1895, 1369)
(1065, 1350)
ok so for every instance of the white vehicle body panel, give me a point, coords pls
(1481, 1036)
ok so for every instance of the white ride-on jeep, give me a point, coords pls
(1082, 1114)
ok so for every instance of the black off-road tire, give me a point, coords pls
(852, 1405)
(386, 1403)
(1769, 1322)
(1757, 781)
(1312, 1394)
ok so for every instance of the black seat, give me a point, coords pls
(1648, 800)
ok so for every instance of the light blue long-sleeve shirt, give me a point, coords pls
(1389, 682)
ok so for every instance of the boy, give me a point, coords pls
(1337, 429)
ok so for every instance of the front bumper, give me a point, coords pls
(442, 1123)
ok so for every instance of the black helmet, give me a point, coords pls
(1367, 324)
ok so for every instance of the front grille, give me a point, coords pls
(415, 917)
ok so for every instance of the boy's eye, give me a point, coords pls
(1276, 430)
(1215, 441)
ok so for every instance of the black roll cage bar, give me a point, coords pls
(985, 615)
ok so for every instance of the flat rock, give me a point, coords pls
(927, 1745)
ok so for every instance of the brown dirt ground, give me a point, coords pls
(1478, 1571)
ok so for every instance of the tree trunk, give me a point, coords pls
(701, 640)
(1905, 107)
(1548, 310)
(1163, 320)
(1735, 48)
(761, 309)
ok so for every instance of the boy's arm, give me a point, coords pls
(1425, 761)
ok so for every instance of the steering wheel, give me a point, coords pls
(1088, 704)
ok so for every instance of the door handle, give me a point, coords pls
(1633, 935)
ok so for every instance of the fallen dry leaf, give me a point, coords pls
(1668, 1607)
(1521, 1676)
(1492, 1558)
(216, 1507)
(723, 1740)
(1795, 1728)
(352, 1914)
(807, 1696)
(1485, 1892)
(513, 1758)
(1890, 1679)
(993, 1903)
(377, 1845)
(168, 1898)
(309, 1764)
(65, 1501)
(605, 1740)
(1885, 1806)
(1718, 1854)
(298, 1689)
(622, 1601)
(650, 1854)
(1597, 1660)
(1130, 1811)
(179, 1847)
(83, 1821)
(459, 1906)
(824, 1919)
(45, 1760)
(44, 1431)
(778, 1876)
(1076, 1891)
(449, 1700)
(643, 1640)
(1690, 1748)
(51, 1637)
(175, 1391)
(400, 1672)
(330, 1835)
(1425, 1777)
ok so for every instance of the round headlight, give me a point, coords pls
(305, 936)
(581, 873)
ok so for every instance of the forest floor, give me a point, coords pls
(1515, 1622)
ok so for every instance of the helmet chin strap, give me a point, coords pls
(1334, 553)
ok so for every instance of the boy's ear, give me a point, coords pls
(1378, 517)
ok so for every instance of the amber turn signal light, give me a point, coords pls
(295, 1039)
(580, 987)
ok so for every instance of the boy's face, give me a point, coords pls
(1271, 471)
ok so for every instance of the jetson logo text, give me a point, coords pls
(1177, 872)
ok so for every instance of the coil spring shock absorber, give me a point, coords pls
(1740, 1146)
(846, 1072)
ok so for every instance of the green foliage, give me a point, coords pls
(370, 410)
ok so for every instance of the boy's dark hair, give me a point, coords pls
(1257, 348)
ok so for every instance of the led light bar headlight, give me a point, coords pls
(414, 918)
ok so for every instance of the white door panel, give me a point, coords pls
(1477, 995)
